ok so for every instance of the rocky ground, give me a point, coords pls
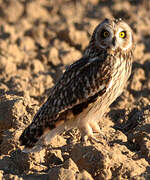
(38, 39)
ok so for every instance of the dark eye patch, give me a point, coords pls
(104, 33)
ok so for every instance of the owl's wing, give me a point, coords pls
(81, 81)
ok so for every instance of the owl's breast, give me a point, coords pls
(120, 75)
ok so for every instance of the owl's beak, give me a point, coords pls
(114, 41)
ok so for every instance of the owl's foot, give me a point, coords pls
(87, 133)
(92, 139)
(97, 131)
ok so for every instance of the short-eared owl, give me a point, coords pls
(87, 88)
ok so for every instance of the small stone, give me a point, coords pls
(37, 66)
(54, 56)
(7, 65)
(13, 10)
(138, 53)
(27, 43)
(36, 6)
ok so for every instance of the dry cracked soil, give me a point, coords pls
(38, 40)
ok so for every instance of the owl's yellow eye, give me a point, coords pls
(104, 33)
(122, 34)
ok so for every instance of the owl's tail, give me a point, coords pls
(35, 138)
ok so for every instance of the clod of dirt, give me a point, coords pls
(54, 56)
(36, 6)
(36, 66)
(67, 174)
(39, 83)
(67, 54)
(138, 53)
(84, 175)
(61, 173)
(70, 164)
(104, 163)
(12, 10)
(9, 110)
(138, 80)
(141, 133)
(7, 65)
(15, 112)
(27, 44)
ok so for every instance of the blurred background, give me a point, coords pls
(38, 40)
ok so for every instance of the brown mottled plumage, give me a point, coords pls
(87, 88)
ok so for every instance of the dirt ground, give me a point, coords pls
(38, 39)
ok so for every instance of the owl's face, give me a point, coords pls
(113, 34)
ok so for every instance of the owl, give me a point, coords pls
(86, 89)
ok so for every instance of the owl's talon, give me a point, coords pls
(102, 135)
(94, 139)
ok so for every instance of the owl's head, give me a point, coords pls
(113, 34)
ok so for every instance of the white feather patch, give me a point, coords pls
(110, 85)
